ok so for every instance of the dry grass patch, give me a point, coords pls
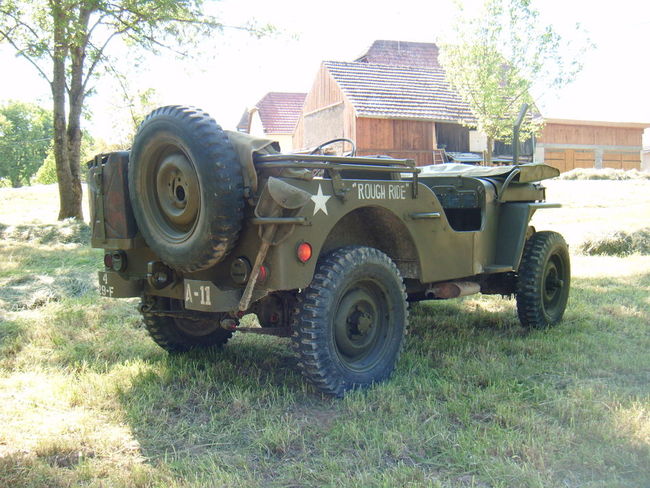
(591, 209)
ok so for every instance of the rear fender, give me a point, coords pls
(381, 229)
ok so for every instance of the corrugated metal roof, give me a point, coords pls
(399, 92)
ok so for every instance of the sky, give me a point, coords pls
(613, 86)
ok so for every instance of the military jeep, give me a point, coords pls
(206, 226)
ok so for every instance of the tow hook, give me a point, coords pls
(229, 324)
(147, 305)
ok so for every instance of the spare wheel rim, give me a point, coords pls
(177, 197)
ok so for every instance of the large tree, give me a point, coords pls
(499, 56)
(67, 42)
(25, 136)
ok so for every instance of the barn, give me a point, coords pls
(393, 100)
(569, 144)
(274, 116)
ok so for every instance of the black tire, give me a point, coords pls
(182, 334)
(186, 187)
(543, 281)
(349, 324)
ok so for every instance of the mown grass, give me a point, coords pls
(86, 399)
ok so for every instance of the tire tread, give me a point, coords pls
(530, 308)
(309, 340)
(228, 185)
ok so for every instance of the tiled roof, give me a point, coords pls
(402, 53)
(280, 111)
(399, 92)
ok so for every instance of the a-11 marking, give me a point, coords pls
(203, 295)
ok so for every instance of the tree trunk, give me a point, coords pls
(490, 146)
(76, 99)
(68, 206)
(67, 167)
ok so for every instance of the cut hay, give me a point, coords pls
(619, 243)
(68, 231)
(604, 174)
(29, 292)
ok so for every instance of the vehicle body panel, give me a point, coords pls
(449, 224)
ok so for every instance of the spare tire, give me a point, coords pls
(186, 187)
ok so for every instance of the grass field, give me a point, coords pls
(87, 399)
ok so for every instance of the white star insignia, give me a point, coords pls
(320, 201)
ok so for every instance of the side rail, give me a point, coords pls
(334, 165)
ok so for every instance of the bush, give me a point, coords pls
(604, 174)
(619, 243)
(46, 174)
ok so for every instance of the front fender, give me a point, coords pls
(514, 218)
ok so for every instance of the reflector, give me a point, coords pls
(261, 277)
(304, 252)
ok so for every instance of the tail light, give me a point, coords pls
(115, 260)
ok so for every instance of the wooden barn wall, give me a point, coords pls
(452, 137)
(595, 145)
(622, 160)
(411, 139)
(591, 135)
(324, 95)
(325, 91)
(299, 134)
(568, 159)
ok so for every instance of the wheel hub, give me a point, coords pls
(177, 192)
(552, 283)
(357, 326)
(360, 321)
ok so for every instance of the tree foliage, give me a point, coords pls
(501, 55)
(25, 136)
(68, 42)
(46, 174)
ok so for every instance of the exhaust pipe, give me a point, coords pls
(453, 289)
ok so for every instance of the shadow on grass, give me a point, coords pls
(468, 368)
(602, 339)
(218, 400)
(592, 301)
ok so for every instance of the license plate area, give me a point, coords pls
(113, 285)
(205, 296)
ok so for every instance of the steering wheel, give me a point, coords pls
(319, 148)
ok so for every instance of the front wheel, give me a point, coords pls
(543, 281)
(350, 322)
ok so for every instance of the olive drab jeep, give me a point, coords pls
(206, 226)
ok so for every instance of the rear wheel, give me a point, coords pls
(186, 332)
(350, 322)
(543, 280)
